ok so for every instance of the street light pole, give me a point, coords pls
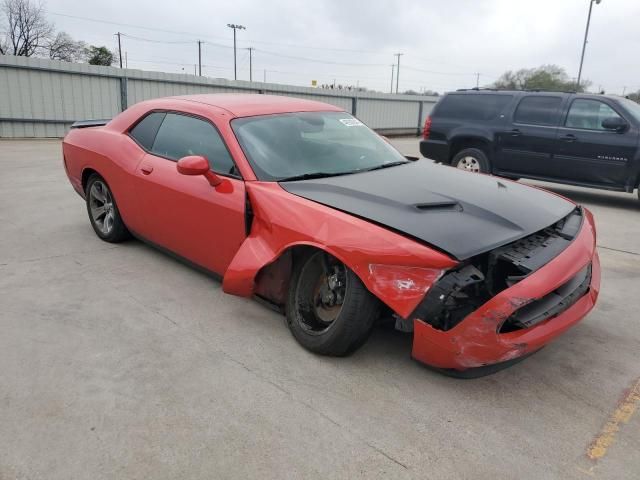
(235, 27)
(584, 44)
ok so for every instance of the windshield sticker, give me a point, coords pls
(351, 122)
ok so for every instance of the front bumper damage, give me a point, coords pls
(525, 315)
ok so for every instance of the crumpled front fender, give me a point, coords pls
(282, 220)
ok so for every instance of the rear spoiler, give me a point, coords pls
(89, 123)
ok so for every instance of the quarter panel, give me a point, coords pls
(113, 156)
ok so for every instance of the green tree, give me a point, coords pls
(546, 77)
(100, 56)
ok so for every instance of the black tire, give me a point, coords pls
(470, 158)
(103, 211)
(353, 319)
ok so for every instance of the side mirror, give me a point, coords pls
(197, 165)
(616, 124)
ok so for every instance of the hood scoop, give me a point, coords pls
(450, 206)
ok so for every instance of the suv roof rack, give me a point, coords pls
(477, 89)
(537, 90)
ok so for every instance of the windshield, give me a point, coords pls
(308, 144)
(632, 107)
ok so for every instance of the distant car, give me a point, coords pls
(576, 139)
(299, 203)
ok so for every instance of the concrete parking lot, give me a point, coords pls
(117, 361)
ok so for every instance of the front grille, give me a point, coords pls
(551, 305)
(463, 290)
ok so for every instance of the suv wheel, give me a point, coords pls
(471, 160)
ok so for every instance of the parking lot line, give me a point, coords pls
(622, 414)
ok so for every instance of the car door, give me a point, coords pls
(185, 214)
(587, 152)
(525, 146)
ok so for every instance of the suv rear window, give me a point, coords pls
(538, 110)
(482, 106)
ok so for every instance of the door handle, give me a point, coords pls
(569, 138)
(146, 169)
(515, 132)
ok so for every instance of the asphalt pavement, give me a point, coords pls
(117, 361)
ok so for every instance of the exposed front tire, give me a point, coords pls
(329, 310)
(103, 211)
(471, 160)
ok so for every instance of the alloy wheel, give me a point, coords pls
(101, 207)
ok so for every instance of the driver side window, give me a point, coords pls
(183, 135)
(589, 114)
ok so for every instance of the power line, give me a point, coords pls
(433, 72)
(150, 40)
(190, 33)
(315, 60)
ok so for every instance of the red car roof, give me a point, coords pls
(247, 104)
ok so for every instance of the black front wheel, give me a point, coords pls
(329, 310)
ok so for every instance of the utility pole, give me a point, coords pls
(264, 78)
(199, 59)
(251, 49)
(235, 27)
(477, 80)
(119, 48)
(392, 69)
(398, 70)
(624, 89)
(584, 44)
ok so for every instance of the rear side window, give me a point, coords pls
(589, 114)
(483, 106)
(538, 110)
(145, 131)
(183, 135)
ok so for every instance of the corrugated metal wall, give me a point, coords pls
(41, 98)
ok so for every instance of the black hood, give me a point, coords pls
(461, 213)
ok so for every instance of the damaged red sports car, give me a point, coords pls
(299, 203)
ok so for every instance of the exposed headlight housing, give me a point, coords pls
(402, 287)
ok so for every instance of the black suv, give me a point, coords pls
(577, 139)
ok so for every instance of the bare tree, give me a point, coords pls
(27, 30)
(65, 48)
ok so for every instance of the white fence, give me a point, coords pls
(41, 98)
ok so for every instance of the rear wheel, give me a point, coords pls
(471, 160)
(103, 211)
(329, 310)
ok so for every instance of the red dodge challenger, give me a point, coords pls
(300, 204)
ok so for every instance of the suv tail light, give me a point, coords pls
(427, 128)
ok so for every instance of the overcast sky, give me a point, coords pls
(444, 42)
